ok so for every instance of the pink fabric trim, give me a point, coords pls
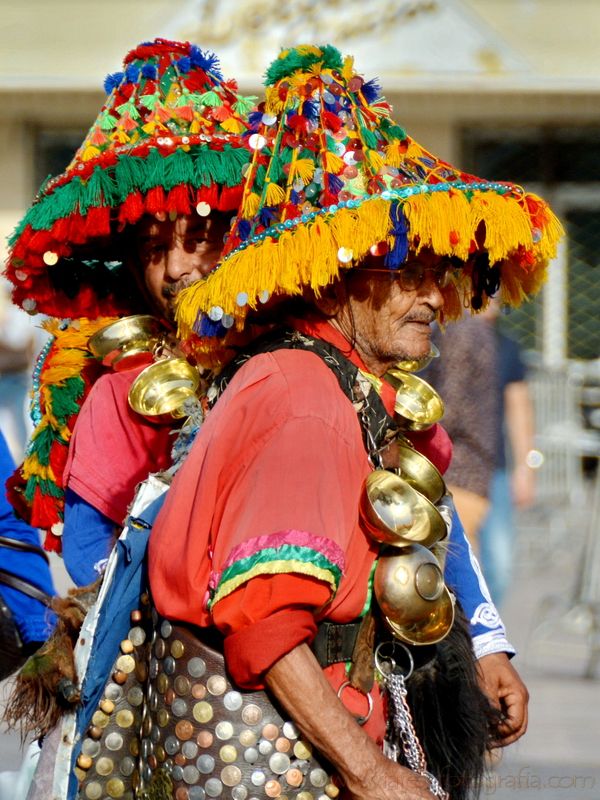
(326, 547)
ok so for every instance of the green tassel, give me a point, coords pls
(154, 172)
(179, 168)
(391, 130)
(107, 121)
(169, 77)
(369, 138)
(64, 398)
(58, 205)
(261, 174)
(129, 108)
(211, 99)
(285, 66)
(244, 104)
(149, 100)
(129, 173)
(99, 190)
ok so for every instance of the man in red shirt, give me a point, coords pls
(260, 536)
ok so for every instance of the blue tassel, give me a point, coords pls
(397, 255)
(294, 197)
(371, 90)
(112, 81)
(206, 60)
(206, 327)
(149, 71)
(267, 215)
(334, 184)
(184, 64)
(243, 229)
(132, 74)
(310, 110)
(255, 119)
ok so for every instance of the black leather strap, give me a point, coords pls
(335, 642)
(8, 579)
(24, 547)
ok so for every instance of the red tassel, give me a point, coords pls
(230, 199)
(156, 201)
(77, 229)
(98, 221)
(58, 459)
(332, 121)
(209, 194)
(178, 200)
(52, 543)
(131, 209)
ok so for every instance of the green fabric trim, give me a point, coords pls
(65, 397)
(295, 555)
(111, 185)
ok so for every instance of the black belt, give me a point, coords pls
(25, 547)
(335, 642)
(8, 579)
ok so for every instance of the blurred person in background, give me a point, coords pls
(490, 418)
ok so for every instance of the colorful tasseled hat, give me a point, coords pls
(169, 139)
(333, 178)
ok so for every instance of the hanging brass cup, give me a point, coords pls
(395, 513)
(418, 406)
(410, 590)
(417, 364)
(420, 473)
(128, 342)
(162, 389)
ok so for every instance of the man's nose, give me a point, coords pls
(430, 291)
(179, 262)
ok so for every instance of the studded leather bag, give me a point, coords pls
(205, 737)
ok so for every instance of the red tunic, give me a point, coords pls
(113, 448)
(260, 534)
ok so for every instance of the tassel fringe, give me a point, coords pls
(446, 222)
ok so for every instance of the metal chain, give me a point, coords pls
(404, 728)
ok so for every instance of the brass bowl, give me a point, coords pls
(435, 627)
(410, 590)
(162, 388)
(418, 406)
(395, 513)
(420, 473)
(417, 364)
(128, 342)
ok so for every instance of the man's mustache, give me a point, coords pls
(171, 290)
(422, 316)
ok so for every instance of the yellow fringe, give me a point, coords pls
(445, 222)
(233, 125)
(332, 162)
(250, 205)
(302, 168)
(274, 194)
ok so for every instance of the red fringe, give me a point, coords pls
(155, 202)
(178, 200)
(131, 209)
(209, 194)
(230, 199)
(97, 222)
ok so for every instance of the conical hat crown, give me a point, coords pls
(169, 139)
(333, 178)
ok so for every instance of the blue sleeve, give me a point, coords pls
(33, 619)
(88, 537)
(464, 577)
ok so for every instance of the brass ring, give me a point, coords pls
(360, 719)
(392, 664)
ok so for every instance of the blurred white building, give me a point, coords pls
(508, 89)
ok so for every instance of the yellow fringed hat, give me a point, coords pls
(334, 178)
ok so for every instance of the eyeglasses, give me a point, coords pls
(411, 275)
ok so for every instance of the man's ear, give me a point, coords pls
(331, 298)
